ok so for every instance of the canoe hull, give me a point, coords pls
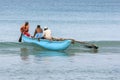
(47, 44)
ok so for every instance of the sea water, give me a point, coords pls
(93, 21)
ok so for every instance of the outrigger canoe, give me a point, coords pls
(47, 44)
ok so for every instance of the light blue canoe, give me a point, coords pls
(47, 44)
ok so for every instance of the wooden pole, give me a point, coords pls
(88, 45)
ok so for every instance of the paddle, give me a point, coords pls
(20, 38)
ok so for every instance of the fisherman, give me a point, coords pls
(25, 29)
(47, 33)
(38, 32)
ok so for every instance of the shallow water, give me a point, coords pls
(22, 61)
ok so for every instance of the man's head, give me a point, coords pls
(26, 23)
(45, 28)
(38, 26)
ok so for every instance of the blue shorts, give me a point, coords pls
(39, 35)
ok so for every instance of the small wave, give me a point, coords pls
(104, 46)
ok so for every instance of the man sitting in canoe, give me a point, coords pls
(47, 33)
(38, 32)
(25, 29)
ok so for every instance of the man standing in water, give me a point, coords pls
(24, 30)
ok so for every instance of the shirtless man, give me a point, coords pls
(38, 32)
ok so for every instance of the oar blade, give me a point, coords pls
(20, 38)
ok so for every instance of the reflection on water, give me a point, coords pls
(77, 48)
(24, 54)
(50, 53)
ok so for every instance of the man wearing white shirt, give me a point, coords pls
(47, 33)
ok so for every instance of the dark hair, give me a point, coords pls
(26, 23)
(45, 29)
(38, 26)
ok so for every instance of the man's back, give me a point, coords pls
(47, 34)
